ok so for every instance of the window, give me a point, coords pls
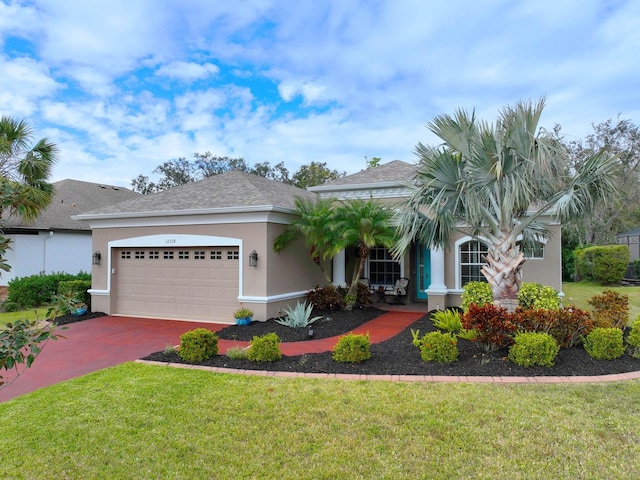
(535, 251)
(383, 270)
(125, 255)
(198, 255)
(472, 255)
(232, 255)
(154, 255)
(167, 255)
(183, 255)
(216, 254)
(139, 254)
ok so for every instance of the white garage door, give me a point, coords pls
(188, 283)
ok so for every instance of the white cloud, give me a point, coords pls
(188, 70)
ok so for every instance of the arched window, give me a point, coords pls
(472, 254)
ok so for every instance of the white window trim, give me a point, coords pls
(459, 242)
(366, 271)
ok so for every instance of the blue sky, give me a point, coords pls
(123, 86)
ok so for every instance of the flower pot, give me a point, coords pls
(244, 321)
(79, 311)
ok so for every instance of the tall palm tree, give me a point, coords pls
(24, 174)
(314, 225)
(500, 184)
(364, 225)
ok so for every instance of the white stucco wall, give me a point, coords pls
(45, 252)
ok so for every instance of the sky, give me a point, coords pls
(124, 86)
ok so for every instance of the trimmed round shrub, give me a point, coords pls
(10, 306)
(633, 339)
(536, 295)
(439, 347)
(604, 343)
(198, 345)
(265, 348)
(534, 349)
(477, 293)
(352, 348)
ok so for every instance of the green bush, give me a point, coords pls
(265, 348)
(352, 348)
(633, 339)
(237, 353)
(325, 298)
(10, 306)
(38, 290)
(532, 349)
(610, 309)
(605, 265)
(77, 288)
(536, 295)
(438, 347)
(604, 343)
(447, 320)
(198, 345)
(478, 293)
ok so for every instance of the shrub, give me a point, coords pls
(532, 349)
(363, 294)
(299, 316)
(265, 348)
(535, 319)
(633, 339)
(572, 325)
(10, 306)
(604, 343)
(325, 298)
(38, 290)
(438, 347)
(352, 348)
(605, 265)
(494, 327)
(536, 295)
(447, 320)
(478, 293)
(198, 345)
(610, 310)
(77, 288)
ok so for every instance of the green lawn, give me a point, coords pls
(578, 294)
(33, 314)
(138, 421)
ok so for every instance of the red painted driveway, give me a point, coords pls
(97, 343)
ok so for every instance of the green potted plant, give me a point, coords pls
(244, 316)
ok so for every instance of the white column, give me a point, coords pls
(338, 269)
(437, 272)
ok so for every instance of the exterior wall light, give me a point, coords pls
(96, 258)
(253, 259)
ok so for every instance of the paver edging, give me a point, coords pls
(615, 377)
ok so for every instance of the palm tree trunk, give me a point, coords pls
(363, 252)
(504, 270)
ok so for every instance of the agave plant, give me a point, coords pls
(299, 316)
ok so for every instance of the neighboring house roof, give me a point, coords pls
(72, 197)
(233, 191)
(392, 176)
(635, 231)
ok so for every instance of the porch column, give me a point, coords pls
(338, 269)
(437, 290)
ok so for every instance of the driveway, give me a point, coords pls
(98, 343)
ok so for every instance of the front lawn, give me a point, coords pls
(579, 293)
(139, 421)
(33, 314)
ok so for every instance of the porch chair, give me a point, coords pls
(399, 290)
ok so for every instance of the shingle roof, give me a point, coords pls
(231, 190)
(395, 172)
(73, 197)
(635, 231)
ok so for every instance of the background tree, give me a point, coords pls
(499, 183)
(24, 174)
(622, 212)
(316, 173)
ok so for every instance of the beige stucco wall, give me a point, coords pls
(276, 275)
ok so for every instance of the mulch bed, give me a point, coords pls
(66, 319)
(398, 356)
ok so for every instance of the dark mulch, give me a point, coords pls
(67, 319)
(398, 356)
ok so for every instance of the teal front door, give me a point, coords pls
(423, 271)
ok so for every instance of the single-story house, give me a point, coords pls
(55, 242)
(200, 250)
(632, 240)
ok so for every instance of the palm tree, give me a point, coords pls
(314, 222)
(24, 173)
(500, 184)
(363, 224)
